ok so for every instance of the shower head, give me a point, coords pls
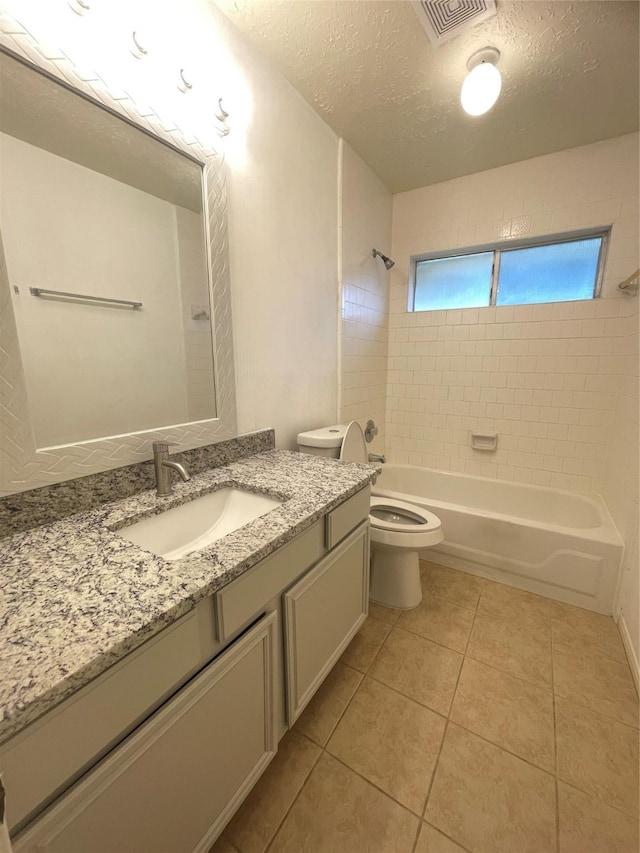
(387, 261)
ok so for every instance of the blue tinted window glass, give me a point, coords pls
(555, 273)
(461, 282)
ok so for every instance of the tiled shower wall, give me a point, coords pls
(545, 378)
(365, 224)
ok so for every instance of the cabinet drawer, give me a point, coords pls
(239, 602)
(323, 611)
(174, 784)
(344, 518)
(53, 751)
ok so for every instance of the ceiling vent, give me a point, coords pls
(445, 19)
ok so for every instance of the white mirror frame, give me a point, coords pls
(22, 465)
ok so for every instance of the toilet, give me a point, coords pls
(399, 530)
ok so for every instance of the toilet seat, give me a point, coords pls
(417, 528)
(414, 528)
(354, 448)
(409, 517)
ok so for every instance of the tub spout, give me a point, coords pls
(374, 457)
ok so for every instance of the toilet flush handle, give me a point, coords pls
(370, 431)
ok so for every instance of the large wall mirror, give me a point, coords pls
(115, 293)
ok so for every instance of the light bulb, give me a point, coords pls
(480, 89)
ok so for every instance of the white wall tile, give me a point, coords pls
(543, 376)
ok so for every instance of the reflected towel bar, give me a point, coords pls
(40, 291)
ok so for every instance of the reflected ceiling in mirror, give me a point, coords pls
(93, 205)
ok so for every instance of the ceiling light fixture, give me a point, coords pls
(138, 48)
(482, 84)
(184, 83)
(80, 7)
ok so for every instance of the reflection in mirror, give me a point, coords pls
(94, 206)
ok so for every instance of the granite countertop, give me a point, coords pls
(76, 597)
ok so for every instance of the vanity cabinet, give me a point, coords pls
(114, 769)
(322, 613)
(172, 786)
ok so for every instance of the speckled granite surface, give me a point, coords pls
(36, 507)
(76, 597)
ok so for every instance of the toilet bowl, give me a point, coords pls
(398, 531)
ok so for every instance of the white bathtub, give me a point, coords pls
(559, 544)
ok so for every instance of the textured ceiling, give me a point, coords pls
(569, 77)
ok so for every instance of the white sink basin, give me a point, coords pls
(189, 527)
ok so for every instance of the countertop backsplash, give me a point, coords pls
(26, 510)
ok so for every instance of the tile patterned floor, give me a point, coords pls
(487, 719)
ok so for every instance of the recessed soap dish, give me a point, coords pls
(481, 441)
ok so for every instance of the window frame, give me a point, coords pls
(604, 232)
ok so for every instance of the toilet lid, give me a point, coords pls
(403, 517)
(354, 448)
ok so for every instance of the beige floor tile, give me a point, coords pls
(515, 606)
(321, 715)
(362, 650)
(339, 812)
(441, 621)
(574, 628)
(388, 615)
(518, 651)
(432, 841)
(588, 825)
(511, 713)
(258, 818)
(490, 801)
(420, 669)
(599, 683)
(598, 755)
(391, 741)
(459, 587)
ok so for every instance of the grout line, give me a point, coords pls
(580, 703)
(435, 770)
(495, 668)
(503, 749)
(598, 799)
(389, 796)
(557, 815)
(295, 799)
(341, 714)
(406, 696)
(415, 840)
(461, 846)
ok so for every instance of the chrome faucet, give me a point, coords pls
(374, 457)
(163, 466)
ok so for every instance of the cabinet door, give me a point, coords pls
(323, 611)
(173, 785)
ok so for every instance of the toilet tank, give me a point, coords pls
(326, 441)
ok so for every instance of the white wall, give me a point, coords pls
(194, 294)
(544, 377)
(365, 223)
(91, 370)
(621, 486)
(283, 232)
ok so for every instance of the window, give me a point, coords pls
(553, 271)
